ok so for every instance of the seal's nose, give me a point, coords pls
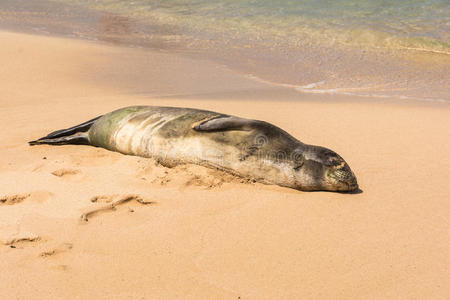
(344, 174)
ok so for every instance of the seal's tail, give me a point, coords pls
(73, 135)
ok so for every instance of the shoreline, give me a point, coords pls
(289, 92)
(361, 70)
(196, 233)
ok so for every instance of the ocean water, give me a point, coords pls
(367, 47)
(416, 24)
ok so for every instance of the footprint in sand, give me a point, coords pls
(57, 250)
(36, 196)
(65, 172)
(21, 240)
(13, 199)
(114, 201)
(104, 198)
(60, 267)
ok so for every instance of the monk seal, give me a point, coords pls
(247, 148)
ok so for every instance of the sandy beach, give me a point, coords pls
(84, 222)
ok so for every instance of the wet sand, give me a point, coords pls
(84, 222)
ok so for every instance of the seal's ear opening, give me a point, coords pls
(299, 164)
(297, 168)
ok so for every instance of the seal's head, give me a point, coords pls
(318, 168)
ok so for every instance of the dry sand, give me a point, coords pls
(83, 222)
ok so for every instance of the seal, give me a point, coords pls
(248, 148)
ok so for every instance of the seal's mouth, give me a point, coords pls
(353, 186)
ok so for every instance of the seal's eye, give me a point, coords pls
(337, 163)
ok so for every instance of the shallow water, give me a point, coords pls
(395, 23)
(367, 47)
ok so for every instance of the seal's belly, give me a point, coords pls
(138, 135)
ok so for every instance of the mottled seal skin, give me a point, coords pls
(248, 148)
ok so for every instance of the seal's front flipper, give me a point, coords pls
(222, 123)
(77, 139)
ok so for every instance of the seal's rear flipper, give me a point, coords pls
(77, 139)
(73, 135)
